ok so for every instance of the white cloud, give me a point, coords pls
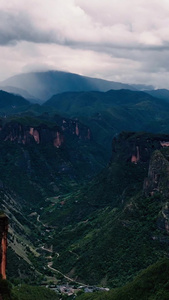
(114, 39)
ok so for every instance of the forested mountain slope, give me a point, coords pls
(117, 224)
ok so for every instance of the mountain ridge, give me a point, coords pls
(42, 85)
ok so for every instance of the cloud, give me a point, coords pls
(119, 40)
(126, 23)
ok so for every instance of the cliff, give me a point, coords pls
(158, 175)
(137, 147)
(3, 243)
(121, 218)
(18, 132)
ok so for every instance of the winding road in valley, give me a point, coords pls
(49, 265)
(68, 278)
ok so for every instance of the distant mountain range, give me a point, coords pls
(43, 85)
(105, 113)
(159, 93)
(20, 92)
(109, 113)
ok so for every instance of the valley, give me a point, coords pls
(84, 183)
(84, 150)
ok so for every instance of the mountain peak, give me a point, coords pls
(42, 85)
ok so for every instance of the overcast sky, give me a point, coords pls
(119, 40)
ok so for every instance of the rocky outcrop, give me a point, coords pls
(158, 175)
(137, 147)
(27, 134)
(157, 184)
(74, 127)
(58, 140)
(3, 244)
(136, 158)
(34, 132)
(24, 134)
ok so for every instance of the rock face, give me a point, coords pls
(19, 133)
(137, 147)
(158, 175)
(74, 127)
(3, 243)
(42, 134)
(157, 183)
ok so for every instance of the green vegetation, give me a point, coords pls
(30, 174)
(27, 292)
(19, 268)
(112, 245)
(5, 290)
(114, 111)
(150, 284)
(103, 231)
(12, 104)
(112, 228)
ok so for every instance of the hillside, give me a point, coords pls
(25, 292)
(109, 113)
(12, 103)
(159, 93)
(150, 284)
(105, 113)
(39, 158)
(19, 92)
(43, 85)
(100, 230)
(117, 224)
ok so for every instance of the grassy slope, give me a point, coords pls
(150, 284)
(26, 292)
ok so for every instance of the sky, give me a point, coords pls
(118, 40)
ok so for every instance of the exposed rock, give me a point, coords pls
(27, 134)
(58, 141)
(158, 175)
(23, 134)
(135, 158)
(164, 144)
(137, 147)
(75, 127)
(3, 243)
(35, 134)
(157, 183)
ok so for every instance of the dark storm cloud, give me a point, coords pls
(19, 27)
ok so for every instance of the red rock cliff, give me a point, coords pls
(3, 244)
(42, 134)
(137, 147)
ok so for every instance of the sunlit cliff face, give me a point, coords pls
(3, 245)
